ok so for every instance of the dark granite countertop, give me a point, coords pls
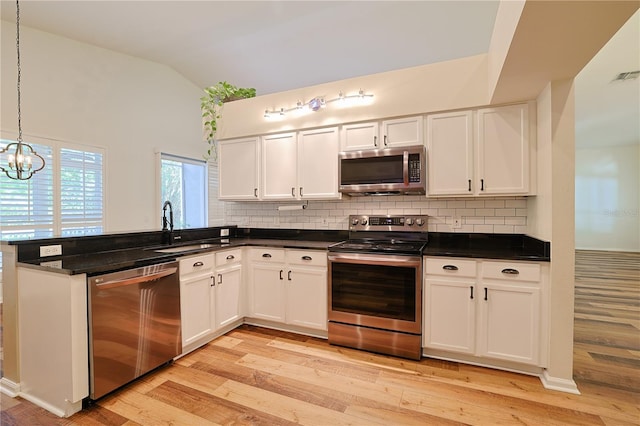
(125, 255)
(98, 262)
(488, 246)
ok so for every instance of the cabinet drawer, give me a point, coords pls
(307, 257)
(450, 267)
(228, 256)
(197, 264)
(512, 271)
(267, 254)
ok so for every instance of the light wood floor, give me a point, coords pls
(259, 376)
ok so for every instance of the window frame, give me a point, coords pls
(160, 155)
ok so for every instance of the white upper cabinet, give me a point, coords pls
(360, 136)
(503, 150)
(450, 153)
(318, 163)
(238, 169)
(402, 132)
(301, 166)
(386, 134)
(493, 157)
(279, 172)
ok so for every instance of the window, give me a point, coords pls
(63, 199)
(183, 182)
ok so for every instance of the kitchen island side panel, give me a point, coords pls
(53, 347)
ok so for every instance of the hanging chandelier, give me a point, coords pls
(20, 156)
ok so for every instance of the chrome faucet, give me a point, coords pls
(167, 231)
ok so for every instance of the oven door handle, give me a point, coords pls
(381, 259)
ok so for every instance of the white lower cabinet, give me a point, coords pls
(487, 309)
(228, 288)
(289, 286)
(210, 295)
(196, 298)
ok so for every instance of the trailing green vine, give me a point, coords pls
(211, 105)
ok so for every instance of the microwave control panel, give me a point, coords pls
(414, 167)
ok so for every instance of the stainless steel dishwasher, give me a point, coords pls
(134, 324)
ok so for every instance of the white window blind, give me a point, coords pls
(63, 199)
(26, 207)
(81, 195)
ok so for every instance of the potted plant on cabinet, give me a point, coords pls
(211, 105)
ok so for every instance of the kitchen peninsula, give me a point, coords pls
(53, 291)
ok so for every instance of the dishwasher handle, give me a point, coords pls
(137, 279)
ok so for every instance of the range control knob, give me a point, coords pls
(408, 221)
(354, 221)
(419, 222)
(363, 221)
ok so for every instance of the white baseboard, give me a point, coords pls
(66, 411)
(9, 388)
(558, 384)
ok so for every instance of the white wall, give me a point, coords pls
(83, 94)
(608, 198)
(449, 85)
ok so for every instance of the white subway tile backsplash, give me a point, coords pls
(487, 215)
(521, 204)
(494, 203)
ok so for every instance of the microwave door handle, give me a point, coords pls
(405, 168)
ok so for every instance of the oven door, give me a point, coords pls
(379, 291)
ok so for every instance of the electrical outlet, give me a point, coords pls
(54, 250)
(224, 232)
(456, 222)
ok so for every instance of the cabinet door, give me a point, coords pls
(307, 297)
(402, 132)
(449, 315)
(196, 307)
(268, 292)
(318, 164)
(238, 169)
(503, 150)
(450, 153)
(510, 318)
(227, 294)
(360, 136)
(279, 167)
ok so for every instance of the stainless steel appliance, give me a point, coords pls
(383, 171)
(134, 324)
(375, 285)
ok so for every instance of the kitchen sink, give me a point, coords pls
(191, 247)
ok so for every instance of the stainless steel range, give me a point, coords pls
(375, 285)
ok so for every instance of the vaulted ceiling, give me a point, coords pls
(281, 45)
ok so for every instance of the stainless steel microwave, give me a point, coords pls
(386, 171)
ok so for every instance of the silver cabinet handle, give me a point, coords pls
(469, 185)
(306, 258)
(375, 141)
(486, 294)
(195, 265)
(266, 255)
(471, 287)
(301, 191)
(219, 278)
(231, 257)
(293, 191)
(450, 267)
(481, 184)
(385, 140)
(281, 274)
(289, 275)
(510, 271)
(255, 192)
(213, 281)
